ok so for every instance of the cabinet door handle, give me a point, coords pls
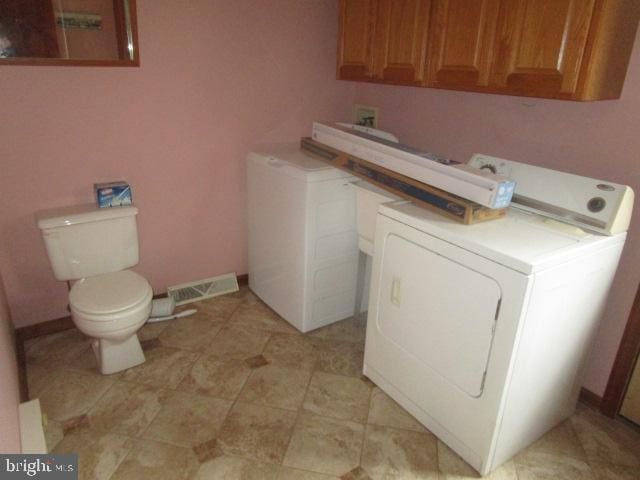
(395, 291)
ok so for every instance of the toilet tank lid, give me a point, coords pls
(75, 214)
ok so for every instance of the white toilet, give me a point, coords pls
(95, 246)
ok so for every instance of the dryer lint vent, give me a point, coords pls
(201, 289)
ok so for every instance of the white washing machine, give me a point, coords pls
(480, 331)
(303, 243)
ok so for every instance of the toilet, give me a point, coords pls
(94, 247)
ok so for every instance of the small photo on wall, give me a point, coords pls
(82, 21)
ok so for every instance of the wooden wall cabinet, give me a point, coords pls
(400, 43)
(566, 49)
(540, 45)
(461, 43)
(357, 30)
(383, 40)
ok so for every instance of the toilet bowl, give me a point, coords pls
(110, 308)
(95, 247)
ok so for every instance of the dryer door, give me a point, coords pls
(438, 311)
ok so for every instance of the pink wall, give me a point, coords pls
(600, 139)
(216, 78)
(9, 390)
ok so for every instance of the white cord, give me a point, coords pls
(184, 313)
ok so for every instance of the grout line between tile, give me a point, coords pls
(163, 393)
(440, 473)
(299, 414)
(124, 457)
(237, 397)
(364, 430)
(575, 433)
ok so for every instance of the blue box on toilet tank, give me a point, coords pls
(112, 194)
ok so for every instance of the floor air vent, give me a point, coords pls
(201, 289)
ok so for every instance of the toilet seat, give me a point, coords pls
(109, 296)
(110, 308)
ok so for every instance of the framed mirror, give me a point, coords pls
(69, 32)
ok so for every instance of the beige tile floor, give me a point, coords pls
(234, 392)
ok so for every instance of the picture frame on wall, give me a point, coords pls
(83, 21)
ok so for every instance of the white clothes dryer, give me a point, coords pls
(480, 331)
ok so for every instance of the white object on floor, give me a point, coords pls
(303, 247)
(31, 429)
(480, 331)
(162, 307)
(109, 303)
(184, 313)
(201, 289)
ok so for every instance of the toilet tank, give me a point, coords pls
(85, 240)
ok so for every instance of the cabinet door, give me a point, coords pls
(461, 42)
(401, 40)
(357, 23)
(540, 46)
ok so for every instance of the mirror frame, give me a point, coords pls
(81, 62)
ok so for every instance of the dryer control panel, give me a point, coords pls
(595, 205)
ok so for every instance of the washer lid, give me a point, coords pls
(522, 241)
(292, 161)
(110, 292)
